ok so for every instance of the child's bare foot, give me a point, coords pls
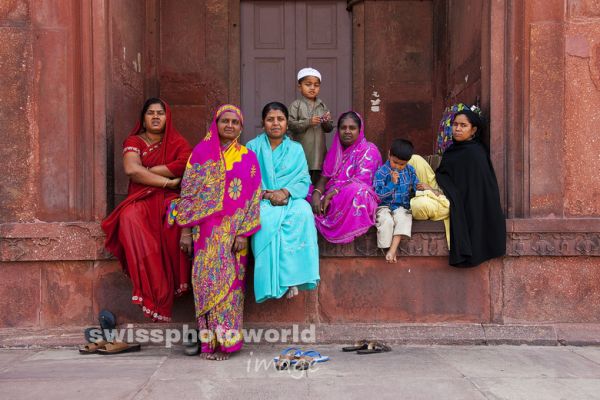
(205, 356)
(390, 257)
(292, 292)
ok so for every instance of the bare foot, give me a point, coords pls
(292, 292)
(219, 356)
(390, 257)
(205, 356)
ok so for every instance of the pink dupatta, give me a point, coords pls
(351, 170)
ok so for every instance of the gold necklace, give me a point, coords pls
(149, 141)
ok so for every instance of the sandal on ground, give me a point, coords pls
(118, 348)
(375, 347)
(287, 358)
(309, 358)
(92, 348)
(360, 345)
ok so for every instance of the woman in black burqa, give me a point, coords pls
(466, 175)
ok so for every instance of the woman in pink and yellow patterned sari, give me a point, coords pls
(219, 210)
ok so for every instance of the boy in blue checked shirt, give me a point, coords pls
(395, 181)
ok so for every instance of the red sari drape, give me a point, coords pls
(136, 232)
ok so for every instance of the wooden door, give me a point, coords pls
(279, 38)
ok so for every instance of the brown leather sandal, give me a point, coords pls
(92, 348)
(360, 345)
(119, 347)
(375, 347)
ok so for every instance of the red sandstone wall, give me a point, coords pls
(582, 109)
(465, 20)
(184, 77)
(398, 66)
(366, 290)
(128, 63)
(40, 89)
(564, 99)
(18, 197)
(183, 58)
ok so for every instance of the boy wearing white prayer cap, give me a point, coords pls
(310, 119)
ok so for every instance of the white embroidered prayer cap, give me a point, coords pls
(304, 72)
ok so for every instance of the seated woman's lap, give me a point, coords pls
(141, 224)
(296, 234)
(298, 245)
(295, 215)
(295, 223)
(348, 202)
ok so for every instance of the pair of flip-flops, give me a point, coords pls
(368, 347)
(103, 347)
(293, 357)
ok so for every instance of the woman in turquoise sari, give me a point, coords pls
(285, 249)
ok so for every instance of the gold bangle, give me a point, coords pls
(186, 234)
(166, 182)
(317, 190)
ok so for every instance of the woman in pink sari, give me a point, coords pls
(219, 210)
(343, 200)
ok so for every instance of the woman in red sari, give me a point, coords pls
(154, 158)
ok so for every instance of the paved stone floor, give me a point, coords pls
(408, 372)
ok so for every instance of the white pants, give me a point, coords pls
(391, 223)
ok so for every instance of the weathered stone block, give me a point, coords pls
(66, 294)
(17, 197)
(20, 294)
(551, 289)
(413, 290)
(581, 120)
(546, 113)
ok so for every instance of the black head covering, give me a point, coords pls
(477, 223)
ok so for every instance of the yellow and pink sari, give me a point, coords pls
(220, 197)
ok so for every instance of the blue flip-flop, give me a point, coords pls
(287, 358)
(309, 358)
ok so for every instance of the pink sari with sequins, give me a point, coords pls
(351, 211)
(220, 196)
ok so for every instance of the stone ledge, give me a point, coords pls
(395, 334)
(525, 237)
(84, 241)
(53, 241)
